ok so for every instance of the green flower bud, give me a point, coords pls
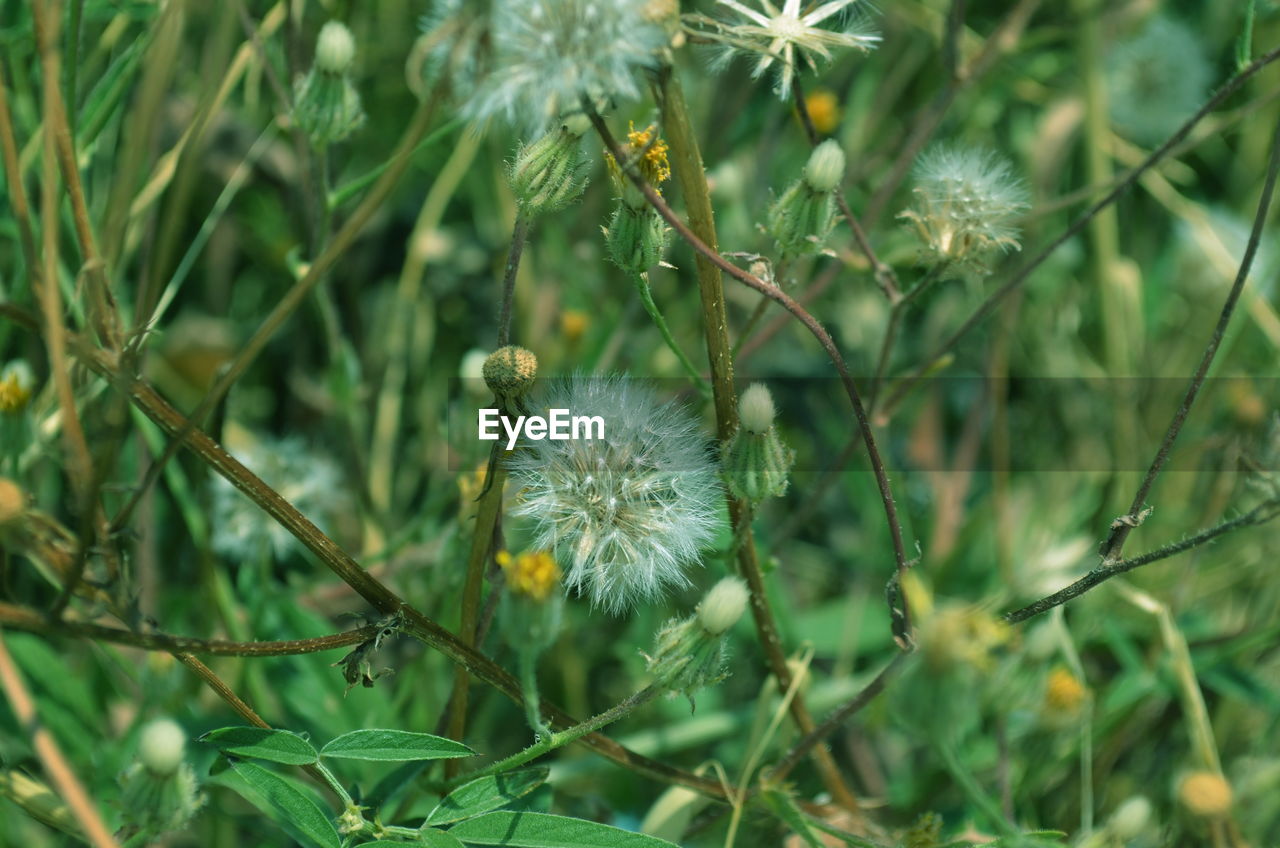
(801, 219)
(756, 463)
(825, 167)
(690, 653)
(326, 105)
(509, 372)
(548, 174)
(159, 792)
(636, 238)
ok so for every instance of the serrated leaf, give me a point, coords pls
(485, 794)
(311, 822)
(539, 830)
(276, 746)
(393, 746)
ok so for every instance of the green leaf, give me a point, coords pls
(538, 830)
(1244, 42)
(485, 794)
(393, 746)
(311, 822)
(276, 746)
(438, 838)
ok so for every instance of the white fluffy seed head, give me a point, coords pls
(755, 409)
(626, 514)
(965, 203)
(161, 746)
(335, 48)
(723, 605)
(825, 168)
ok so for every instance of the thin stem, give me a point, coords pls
(13, 181)
(837, 717)
(896, 314)
(519, 235)
(646, 297)
(21, 618)
(1258, 515)
(691, 174)
(1121, 529)
(1024, 273)
(553, 741)
(527, 658)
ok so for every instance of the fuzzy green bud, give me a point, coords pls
(801, 219)
(159, 792)
(825, 167)
(509, 372)
(636, 238)
(756, 462)
(690, 653)
(548, 173)
(326, 105)
(335, 48)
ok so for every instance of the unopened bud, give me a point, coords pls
(636, 238)
(509, 372)
(756, 462)
(335, 48)
(825, 168)
(755, 409)
(162, 746)
(1206, 794)
(801, 219)
(548, 173)
(723, 605)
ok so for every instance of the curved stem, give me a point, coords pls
(646, 297)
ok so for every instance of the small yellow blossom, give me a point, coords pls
(962, 635)
(573, 324)
(824, 110)
(1205, 793)
(14, 396)
(1064, 694)
(470, 485)
(653, 164)
(532, 574)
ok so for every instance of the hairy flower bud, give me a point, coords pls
(326, 104)
(159, 792)
(825, 167)
(548, 173)
(636, 238)
(335, 48)
(723, 605)
(756, 463)
(509, 372)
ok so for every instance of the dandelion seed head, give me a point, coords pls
(549, 54)
(627, 514)
(965, 203)
(1156, 80)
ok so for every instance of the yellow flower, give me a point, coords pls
(824, 110)
(1205, 793)
(14, 395)
(1064, 694)
(532, 574)
(573, 324)
(470, 485)
(653, 163)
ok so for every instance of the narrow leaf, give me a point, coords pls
(538, 830)
(784, 808)
(299, 810)
(393, 746)
(485, 794)
(276, 746)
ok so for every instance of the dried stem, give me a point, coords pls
(51, 757)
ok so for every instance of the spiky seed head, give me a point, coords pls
(965, 204)
(825, 168)
(1206, 794)
(723, 605)
(510, 371)
(755, 409)
(335, 48)
(626, 514)
(162, 745)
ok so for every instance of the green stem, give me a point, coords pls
(973, 789)
(891, 331)
(345, 192)
(528, 661)
(552, 741)
(646, 297)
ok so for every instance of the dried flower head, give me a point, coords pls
(549, 54)
(965, 202)
(789, 35)
(626, 514)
